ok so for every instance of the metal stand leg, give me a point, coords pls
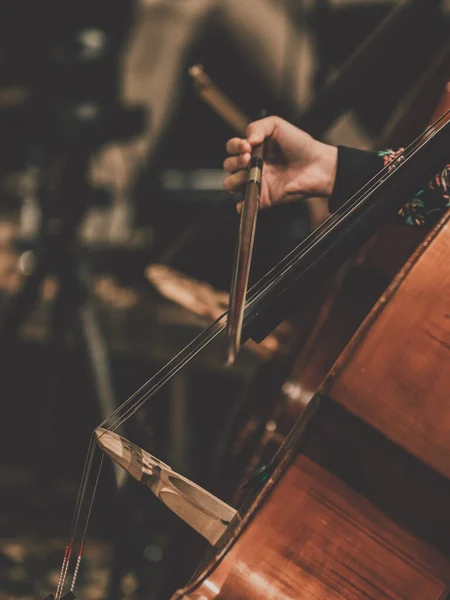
(101, 376)
(98, 362)
(54, 394)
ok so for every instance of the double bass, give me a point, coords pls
(309, 472)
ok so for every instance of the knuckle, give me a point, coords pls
(228, 184)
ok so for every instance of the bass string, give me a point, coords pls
(124, 412)
(88, 516)
(152, 385)
(140, 397)
(74, 525)
(83, 483)
(69, 551)
(260, 288)
(148, 389)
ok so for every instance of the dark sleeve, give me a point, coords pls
(357, 167)
(354, 169)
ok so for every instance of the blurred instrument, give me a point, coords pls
(201, 299)
(196, 296)
(241, 269)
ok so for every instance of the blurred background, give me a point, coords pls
(117, 241)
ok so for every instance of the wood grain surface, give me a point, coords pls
(317, 539)
(395, 374)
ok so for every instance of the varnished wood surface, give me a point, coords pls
(395, 374)
(317, 539)
(271, 414)
(405, 489)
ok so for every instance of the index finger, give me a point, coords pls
(238, 146)
(258, 131)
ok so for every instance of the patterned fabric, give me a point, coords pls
(428, 204)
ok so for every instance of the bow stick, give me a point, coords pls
(218, 101)
(244, 250)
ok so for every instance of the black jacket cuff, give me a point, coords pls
(354, 169)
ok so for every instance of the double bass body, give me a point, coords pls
(356, 506)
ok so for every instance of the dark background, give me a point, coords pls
(44, 436)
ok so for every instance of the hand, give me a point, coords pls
(296, 165)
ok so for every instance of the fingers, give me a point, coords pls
(258, 131)
(236, 163)
(240, 151)
(234, 182)
(238, 146)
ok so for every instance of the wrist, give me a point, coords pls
(326, 169)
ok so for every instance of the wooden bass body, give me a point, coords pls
(357, 506)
